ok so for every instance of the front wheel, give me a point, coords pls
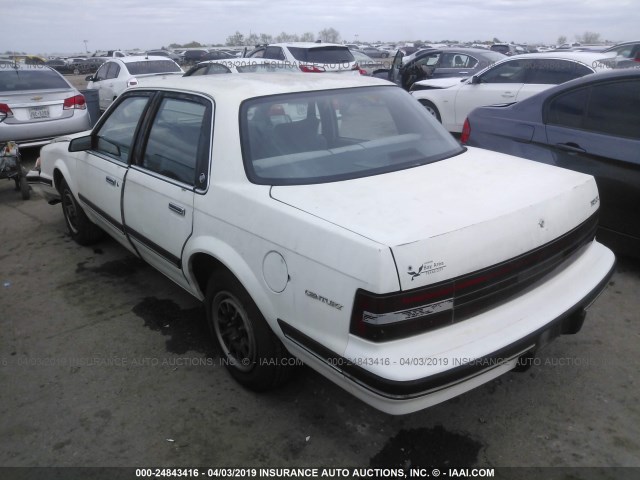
(432, 109)
(81, 229)
(253, 355)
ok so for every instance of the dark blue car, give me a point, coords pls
(592, 125)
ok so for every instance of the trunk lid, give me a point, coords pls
(456, 216)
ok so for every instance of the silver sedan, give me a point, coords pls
(38, 104)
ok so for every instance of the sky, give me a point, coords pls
(62, 26)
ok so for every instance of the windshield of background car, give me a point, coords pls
(152, 66)
(326, 136)
(333, 55)
(12, 80)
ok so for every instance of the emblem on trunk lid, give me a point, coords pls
(427, 268)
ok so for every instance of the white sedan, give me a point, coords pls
(450, 100)
(118, 74)
(332, 219)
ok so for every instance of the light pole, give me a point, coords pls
(85, 46)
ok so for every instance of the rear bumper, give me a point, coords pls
(44, 186)
(411, 374)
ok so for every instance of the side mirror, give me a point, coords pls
(80, 144)
(89, 78)
(475, 80)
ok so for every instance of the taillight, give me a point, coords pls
(466, 131)
(311, 69)
(396, 315)
(77, 102)
(5, 111)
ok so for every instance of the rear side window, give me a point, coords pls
(610, 108)
(152, 66)
(274, 53)
(614, 109)
(12, 80)
(179, 139)
(568, 110)
(554, 71)
(322, 54)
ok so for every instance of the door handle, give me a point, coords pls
(111, 181)
(177, 209)
(570, 147)
(508, 95)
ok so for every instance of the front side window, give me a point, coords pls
(513, 71)
(317, 137)
(113, 71)
(179, 139)
(115, 136)
(101, 74)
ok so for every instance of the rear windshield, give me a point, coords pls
(322, 54)
(499, 48)
(326, 136)
(12, 80)
(152, 66)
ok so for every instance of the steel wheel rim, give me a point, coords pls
(234, 331)
(70, 210)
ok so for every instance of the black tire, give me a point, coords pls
(81, 229)
(253, 355)
(432, 109)
(24, 188)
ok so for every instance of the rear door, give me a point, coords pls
(171, 165)
(596, 130)
(544, 73)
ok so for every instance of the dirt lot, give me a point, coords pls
(104, 362)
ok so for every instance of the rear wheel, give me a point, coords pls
(432, 109)
(253, 355)
(81, 229)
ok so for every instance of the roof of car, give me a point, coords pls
(591, 59)
(140, 58)
(307, 45)
(251, 85)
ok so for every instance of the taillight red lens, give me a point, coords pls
(4, 108)
(311, 69)
(75, 102)
(466, 131)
